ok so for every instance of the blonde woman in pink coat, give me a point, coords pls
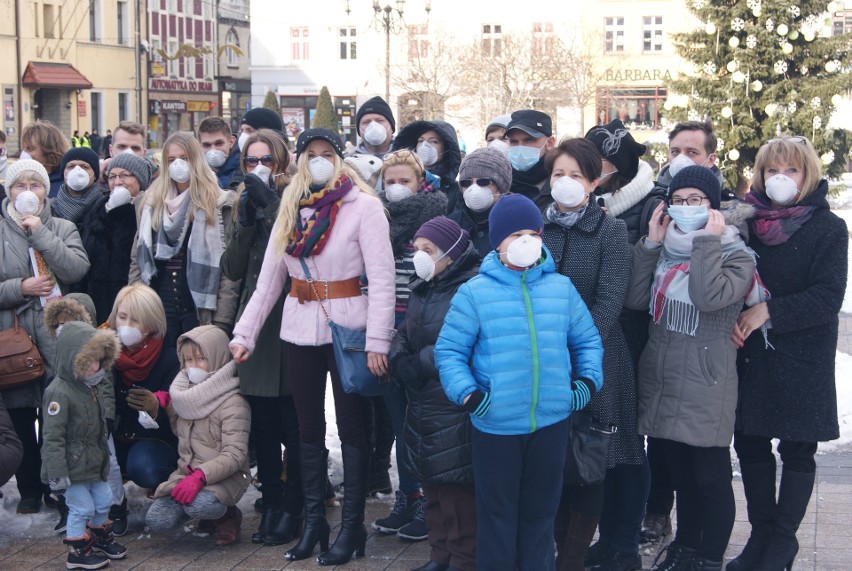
(332, 221)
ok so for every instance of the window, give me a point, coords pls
(637, 108)
(418, 42)
(123, 101)
(50, 23)
(491, 40)
(95, 20)
(347, 43)
(542, 38)
(299, 43)
(614, 34)
(842, 22)
(123, 15)
(233, 40)
(97, 110)
(652, 34)
(173, 63)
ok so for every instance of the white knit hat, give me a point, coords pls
(21, 166)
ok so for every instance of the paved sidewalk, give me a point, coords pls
(844, 334)
(825, 537)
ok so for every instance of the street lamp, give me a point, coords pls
(391, 20)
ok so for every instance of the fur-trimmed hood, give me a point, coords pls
(72, 307)
(80, 345)
(737, 213)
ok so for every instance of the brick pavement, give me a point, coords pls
(844, 334)
(825, 537)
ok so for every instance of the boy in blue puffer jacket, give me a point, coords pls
(520, 352)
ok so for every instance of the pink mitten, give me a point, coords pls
(164, 398)
(188, 488)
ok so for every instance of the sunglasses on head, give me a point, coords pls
(466, 182)
(265, 160)
(794, 139)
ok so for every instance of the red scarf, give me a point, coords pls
(135, 366)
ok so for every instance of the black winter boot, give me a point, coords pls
(104, 541)
(678, 558)
(118, 517)
(702, 564)
(353, 534)
(759, 486)
(794, 494)
(285, 530)
(314, 469)
(81, 555)
(268, 520)
(62, 508)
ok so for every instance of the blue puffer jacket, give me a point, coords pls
(517, 335)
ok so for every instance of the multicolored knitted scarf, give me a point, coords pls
(774, 226)
(309, 237)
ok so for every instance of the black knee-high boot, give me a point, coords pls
(759, 486)
(353, 535)
(314, 469)
(794, 494)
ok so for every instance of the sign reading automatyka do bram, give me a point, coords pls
(172, 106)
(194, 85)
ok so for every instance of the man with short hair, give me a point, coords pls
(221, 151)
(95, 140)
(107, 141)
(375, 126)
(257, 119)
(691, 142)
(530, 135)
(128, 135)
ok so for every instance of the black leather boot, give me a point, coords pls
(794, 494)
(353, 535)
(759, 486)
(314, 469)
(285, 529)
(268, 520)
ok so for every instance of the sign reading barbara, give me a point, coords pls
(193, 85)
(636, 75)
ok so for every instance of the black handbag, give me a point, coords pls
(588, 444)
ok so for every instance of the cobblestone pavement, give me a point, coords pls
(825, 537)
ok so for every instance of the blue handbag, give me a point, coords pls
(351, 356)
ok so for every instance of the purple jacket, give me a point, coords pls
(359, 244)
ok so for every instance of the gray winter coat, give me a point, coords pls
(688, 384)
(60, 245)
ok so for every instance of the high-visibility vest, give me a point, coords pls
(84, 142)
(75, 141)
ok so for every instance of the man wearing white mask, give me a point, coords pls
(375, 125)
(79, 191)
(530, 135)
(256, 119)
(129, 137)
(221, 151)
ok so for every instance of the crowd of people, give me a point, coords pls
(568, 344)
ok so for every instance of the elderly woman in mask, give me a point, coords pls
(33, 239)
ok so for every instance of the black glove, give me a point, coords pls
(407, 370)
(259, 192)
(246, 212)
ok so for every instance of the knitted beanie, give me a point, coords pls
(617, 145)
(262, 118)
(701, 178)
(445, 234)
(490, 163)
(140, 168)
(375, 105)
(510, 214)
(326, 135)
(81, 154)
(19, 167)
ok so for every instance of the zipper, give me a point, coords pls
(422, 312)
(534, 341)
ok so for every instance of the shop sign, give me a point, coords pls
(200, 86)
(198, 106)
(173, 106)
(638, 75)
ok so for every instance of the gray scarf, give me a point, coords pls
(564, 219)
(73, 208)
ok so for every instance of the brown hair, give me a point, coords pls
(49, 139)
(214, 125)
(796, 151)
(706, 127)
(581, 150)
(131, 127)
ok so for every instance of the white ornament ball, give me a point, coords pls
(832, 7)
(829, 67)
(733, 154)
(827, 158)
(734, 42)
(711, 28)
(794, 35)
(756, 85)
(738, 77)
(757, 11)
(787, 48)
(668, 105)
(782, 29)
(809, 36)
(732, 66)
(771, 109)
(726, 112)
(836, 99)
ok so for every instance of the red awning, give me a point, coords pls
(46, 74)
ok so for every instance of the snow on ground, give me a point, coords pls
(843, 382)
(846, 214)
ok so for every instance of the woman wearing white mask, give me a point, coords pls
(787, 384)
(693, 272)
(436, 143)
(329, 222)
(183, 222)
(485, 175)
(79, 191)
(590, 247)
(437, 432)
(30, 235)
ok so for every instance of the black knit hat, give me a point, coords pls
(375, 105)
(617, 145)
(313, 134)
(263, 118)
(81, 154)
(699, 177)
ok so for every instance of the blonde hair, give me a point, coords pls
(144, 305)
(299, 189)
(405, 157)
(203, 188)
(188, 347)
(795, 151)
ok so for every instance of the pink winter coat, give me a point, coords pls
(359, 241)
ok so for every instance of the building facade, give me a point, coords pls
(233, 75)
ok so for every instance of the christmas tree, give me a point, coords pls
(324, 116)
(761, 69)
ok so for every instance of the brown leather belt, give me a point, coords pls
(322, 290)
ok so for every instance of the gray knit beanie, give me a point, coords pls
(488, 162)
(140, 167)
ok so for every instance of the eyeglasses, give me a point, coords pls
(483, 182)
(22, 186)
(793, 139)
(689, 200)
(265, 160)
(122, 177)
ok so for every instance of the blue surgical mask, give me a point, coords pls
(689, 218)
(524, 158)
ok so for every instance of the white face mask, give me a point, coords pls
(424, 265)
(77, 179)
(524, 251)
(241, 140)
(118, 197)
(129, 336)
(215, 158)
(477, 198)
(128, 150)
(26, 156)
(262, 172)
(59, 330)
(568, 192)
(500, 145)
(321, 170)
(196, 375)
(689, 218)
(179, 171)
(781, 189)
(679, 163)
(427, 153)
(397, 192)
(27, 203)
(375, 134)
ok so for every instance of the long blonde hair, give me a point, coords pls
(299, 189)
(203, 188)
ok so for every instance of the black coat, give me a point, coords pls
(447, 167)
(476, 224)
(438, 446)
(789, 392)
(11, 450)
